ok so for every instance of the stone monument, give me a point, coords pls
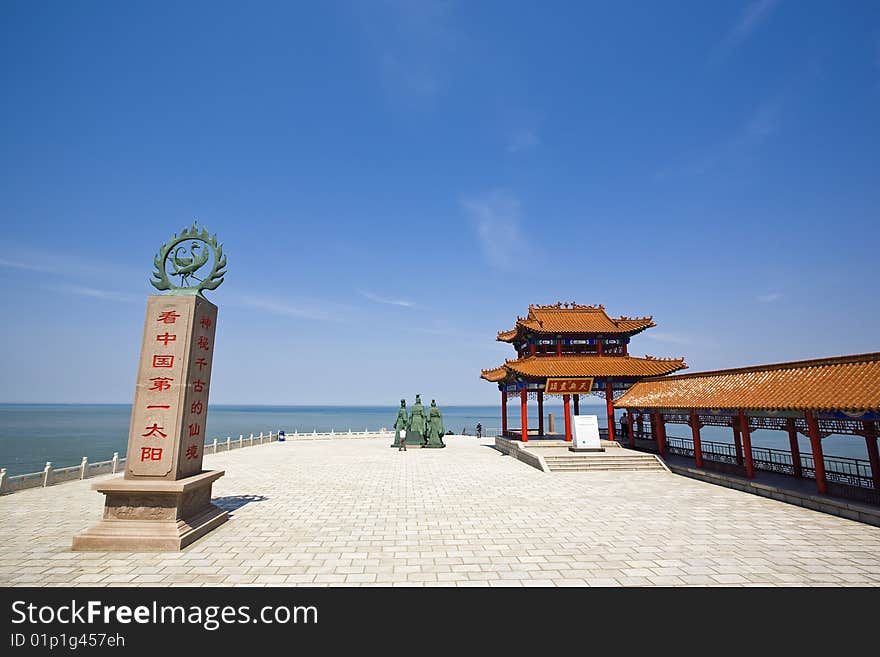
(163, 502)
(435, 427)
(400, 424)
(415, 428)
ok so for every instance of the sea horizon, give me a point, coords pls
(32, 433)
(63, 433)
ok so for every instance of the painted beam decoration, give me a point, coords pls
(575, 386)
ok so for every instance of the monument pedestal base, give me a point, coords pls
(153, 515)
(586, 449)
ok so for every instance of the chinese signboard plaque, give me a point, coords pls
(163, 502)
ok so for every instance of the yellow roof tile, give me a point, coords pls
(584, 366)
(844, 383)
(574, 318)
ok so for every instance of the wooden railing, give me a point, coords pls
(847, 477)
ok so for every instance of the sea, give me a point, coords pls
(32, 434)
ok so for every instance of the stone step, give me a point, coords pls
(593, 459)
(581, 468)
(591, 462)
(595, 463)
(597, 455)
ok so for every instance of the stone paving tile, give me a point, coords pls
(355, 512)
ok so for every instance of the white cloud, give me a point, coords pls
(522, 140)
(94, 293)
(408, 77)
(390, 302)
(413, 43)
(763, 122)
(770, 297)
(496, 218)
(758, 126)
(667, 337)
(80, 264)
(300, 310)
(752, 17)
(15, 264)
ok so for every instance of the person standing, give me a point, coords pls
(624, 426)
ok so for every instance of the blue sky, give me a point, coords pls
(394, 182)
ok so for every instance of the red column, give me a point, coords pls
(795, 448)
(540, 413)
(599, 349)
(524, 397)
(577, 404)
(558, 346)
(504, 413)
(609, 409)
(818, 458)
(747, 444)
(695, 432)
(566, 407)
(632, 435)
(625, 349)
(737, 445)
(532, 349)
(873, 452)
(660, 432)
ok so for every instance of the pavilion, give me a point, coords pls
(570, 349)
(816, 398)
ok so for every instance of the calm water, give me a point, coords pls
(31, 434)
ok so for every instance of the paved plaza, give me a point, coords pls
(355, 512)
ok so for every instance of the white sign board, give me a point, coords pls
(586, 432)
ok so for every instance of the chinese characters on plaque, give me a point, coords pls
(568, 386)
(167, 434)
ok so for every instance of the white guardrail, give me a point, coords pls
(50, 476)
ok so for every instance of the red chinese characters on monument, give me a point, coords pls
(171, 399)
(196, 401)
(151, 453)
(154, 430)
(152, 436)
(163, 360)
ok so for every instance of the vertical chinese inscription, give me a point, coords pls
(195, 403)
(166, 435)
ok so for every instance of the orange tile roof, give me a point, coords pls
(574, 318)
(506, 336)
(595, 366)
(844, 383)
(493, 375)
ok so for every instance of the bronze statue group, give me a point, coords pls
(420, 430)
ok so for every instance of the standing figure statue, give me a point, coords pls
(418, 424)
(400, 423)
(435, 427)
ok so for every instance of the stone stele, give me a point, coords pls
(163, 502)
